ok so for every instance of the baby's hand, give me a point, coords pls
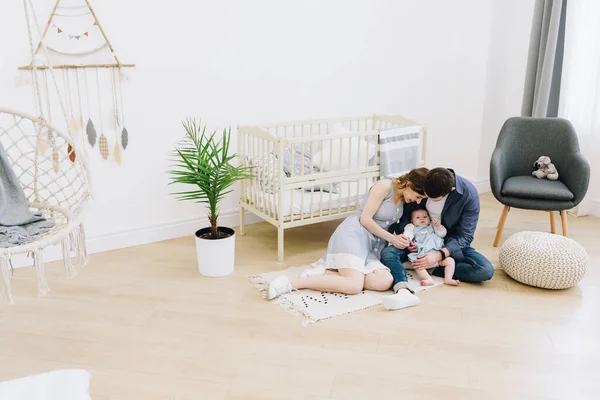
(412, 248)
(436, 223)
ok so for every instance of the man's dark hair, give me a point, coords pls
(438, 182)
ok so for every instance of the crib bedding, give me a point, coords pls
(347, 195)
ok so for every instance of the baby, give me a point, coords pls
(428, 236)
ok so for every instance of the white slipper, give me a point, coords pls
(280, 285)
(403, 299)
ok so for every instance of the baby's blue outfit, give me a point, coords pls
(426, 241)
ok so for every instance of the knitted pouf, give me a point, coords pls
(543, 260)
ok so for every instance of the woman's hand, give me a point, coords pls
(399, 241)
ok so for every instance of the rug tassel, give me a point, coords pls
(38, 262)
(71, 271)
(5, 294)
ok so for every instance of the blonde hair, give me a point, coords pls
(415, 179)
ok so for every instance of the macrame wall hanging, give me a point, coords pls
(90, 74)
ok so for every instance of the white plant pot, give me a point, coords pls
(216, 257)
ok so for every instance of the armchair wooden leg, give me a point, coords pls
(552, 225)
(501, 225)
(563, 219)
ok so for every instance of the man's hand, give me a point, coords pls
(428, 260)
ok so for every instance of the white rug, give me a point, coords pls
(70, 384)
(317, 305)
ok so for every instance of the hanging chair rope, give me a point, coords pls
(53, 184)
(38, 91)
(47, 53)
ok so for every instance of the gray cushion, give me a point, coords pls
(534, 188)
(536, 204)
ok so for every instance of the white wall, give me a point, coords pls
(232, 62)
(506, 68)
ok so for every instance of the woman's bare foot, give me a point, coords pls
(451, 282)
(428, 282)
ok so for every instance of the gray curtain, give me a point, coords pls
(544, 63)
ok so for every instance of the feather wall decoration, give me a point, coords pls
(103, 145)
(91, 133)
(124, 138)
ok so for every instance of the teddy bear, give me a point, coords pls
(545, 169)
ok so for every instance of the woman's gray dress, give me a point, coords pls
(352, 246)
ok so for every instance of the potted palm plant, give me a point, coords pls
(203, 161)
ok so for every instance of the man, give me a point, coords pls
(454, 201)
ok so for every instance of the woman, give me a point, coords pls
(355, 247)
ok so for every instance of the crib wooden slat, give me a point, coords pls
(340, 199)
(263, 181)
(276, 187)
(339, 155)
(290, 148)
(329, 210)
(312, 159)
(312, 200)
(256, 176)
(267, 185)
(357, 201)
(302, 161)
(302, 204)
(321, 201)
(348, 198)
(269, 182)
(292, 213)
(280, 174)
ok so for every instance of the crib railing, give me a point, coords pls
(260, 149)
(305, 156)
(329, 171)
(309, 171)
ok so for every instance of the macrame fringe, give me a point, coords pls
(38, 262)
(66, 251)
(73, 240)
(82, 254)
(5, 294)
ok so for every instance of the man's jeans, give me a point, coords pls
(474, 268)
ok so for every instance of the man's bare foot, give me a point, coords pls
(428, 282)
(451, 282)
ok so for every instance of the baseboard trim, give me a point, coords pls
(584, 209)
(143, 235)
(482, 186)
(595, 208)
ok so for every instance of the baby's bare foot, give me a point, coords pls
(451, 282)
(427, 282)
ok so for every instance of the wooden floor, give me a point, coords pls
(149, 327)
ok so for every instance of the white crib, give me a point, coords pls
(312, 171)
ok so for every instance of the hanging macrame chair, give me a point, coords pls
(55, 178)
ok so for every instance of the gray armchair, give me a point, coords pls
(520, 142)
